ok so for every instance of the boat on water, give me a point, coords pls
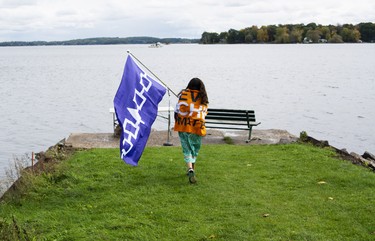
(156, 45)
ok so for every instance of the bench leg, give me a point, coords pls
(114, 122)
(248, 140)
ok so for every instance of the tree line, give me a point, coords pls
(295, 33)
(102, 41)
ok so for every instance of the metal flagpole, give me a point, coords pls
(168, 143)
(152, 73)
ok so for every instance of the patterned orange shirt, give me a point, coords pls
(190, 113)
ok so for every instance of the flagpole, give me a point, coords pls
(168, 143)
(152, 73)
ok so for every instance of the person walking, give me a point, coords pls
(190, 113)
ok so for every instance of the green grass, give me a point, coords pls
(275, 192)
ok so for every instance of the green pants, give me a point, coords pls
(191, 144)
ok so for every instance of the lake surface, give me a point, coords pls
(328, 90)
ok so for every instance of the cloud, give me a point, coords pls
(15, 4)
(69, 19)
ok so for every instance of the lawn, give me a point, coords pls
(258, 192)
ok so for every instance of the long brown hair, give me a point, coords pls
(197, 84)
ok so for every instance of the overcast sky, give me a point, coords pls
(29, 20)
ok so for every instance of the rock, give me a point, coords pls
(61, 143)
(368, 155)
(344, 150)
(358, 157)
(315, 142)
(41, 156)
(363, 161)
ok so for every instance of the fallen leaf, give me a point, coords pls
(266, 215)
(249, 165)
(322, 182)
(212, 236)
(330, 198)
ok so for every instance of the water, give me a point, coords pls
(327, 90)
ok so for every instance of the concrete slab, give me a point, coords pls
(160, 138)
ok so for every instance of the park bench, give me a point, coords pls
(231, 119)
(216, 119)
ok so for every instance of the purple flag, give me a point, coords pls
(136, 106)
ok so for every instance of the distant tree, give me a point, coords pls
(215, 38)
(210, 38)
(271, 30)
(262, 35)
(248, 37)
(296, 35)
(254, 32)
(345, 34)
(325, 32)
(332, 29)
(356, 35)
(348, 25)
(232, 37)
(350, 35)
(282, 35)
(223, 37)
(367, 31)
(336, 39)
(313, 35)
(339, 28)
(311, 26)
(290, 27)
(206, 38)
(250, 34)
(235, 37)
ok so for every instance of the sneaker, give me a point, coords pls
(191, 175)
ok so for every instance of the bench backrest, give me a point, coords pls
(217, 117)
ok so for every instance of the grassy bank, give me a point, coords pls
(276, 192)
